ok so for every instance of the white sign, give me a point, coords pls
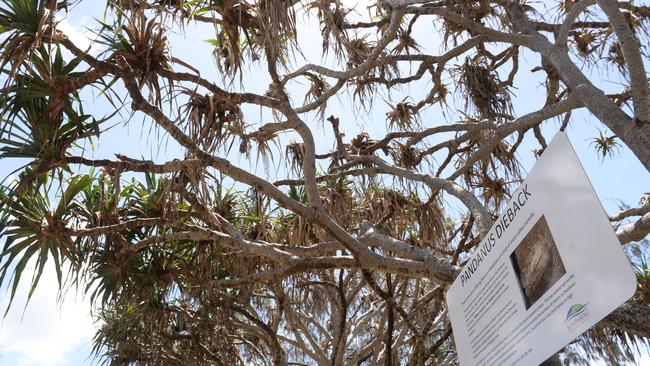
(549, 268)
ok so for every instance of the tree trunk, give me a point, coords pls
(635, 134)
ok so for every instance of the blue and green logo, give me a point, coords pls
(575, 311)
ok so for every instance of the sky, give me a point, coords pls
(52, 333)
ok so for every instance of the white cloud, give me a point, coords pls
(47, 333)
(80, 38)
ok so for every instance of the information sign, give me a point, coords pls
(550, 267)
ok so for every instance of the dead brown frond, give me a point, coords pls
(386, 70)
(483, 89)
(387, 206)
(295, 155)
(252, 27)
(403, 215)
(238, 20)
(147, 52)
(405, 156)
(358, 50)
(583, 42)
(264, 147)
(212, 121)
(339, 200)
(31, 27)
(295, 229)
(438, 94)
(317, 88)
(332, 20)
(254, 216)
(403, 116)
(361, 142)
(277, 21)
(501, 152)
(431, 222)
(493, 171)
(474, 10)
(405, 43)
(364, 91)
(19, 50)
(494, 190)
(298, 231)
(245, 146)
(615, 56)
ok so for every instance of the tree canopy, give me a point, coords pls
(336, 256)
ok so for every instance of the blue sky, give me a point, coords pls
(50, 333)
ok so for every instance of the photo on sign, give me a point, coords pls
(537, 262)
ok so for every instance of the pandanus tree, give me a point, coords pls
(342, 255)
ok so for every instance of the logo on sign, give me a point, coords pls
(577, 314)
